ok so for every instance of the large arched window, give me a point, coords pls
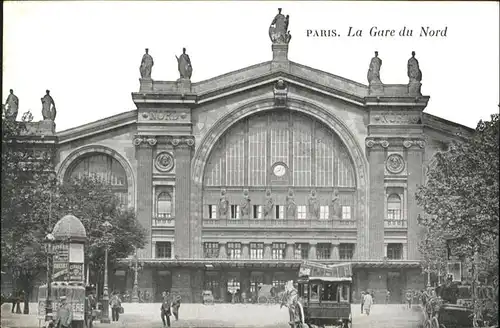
(164, 205)
(394, 207)
(106, 168)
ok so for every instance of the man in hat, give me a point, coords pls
(64, 315)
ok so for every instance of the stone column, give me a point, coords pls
(415, 152)
(245, 281)
(385, 249)
(222, 251)
(312, 251)
(268, 278)
(289, 254)
(245, 251)
(144, 155)
(182, 153)
(334, 252)
(405, 251)
(377, 153)
(267, 251)
(153, 250)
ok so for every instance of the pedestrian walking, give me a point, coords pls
(362, 301)
(176, 304)
(12, 297)
(409, 297)
(387, 297)
(368, 303)
(64, 316)
(166, 309)
(116, 304)
(90, 306)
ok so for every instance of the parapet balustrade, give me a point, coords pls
(278, 223)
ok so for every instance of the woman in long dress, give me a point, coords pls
(367, 304)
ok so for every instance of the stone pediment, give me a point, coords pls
(153, 93)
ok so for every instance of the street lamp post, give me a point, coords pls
(105, 296)
(49, 240)
(135, 288)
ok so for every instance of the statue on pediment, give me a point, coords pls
(245, 205)
(48, 107)
(11, 106)
(278, 30)
(335, 209)
(223, 204)
(313, 205)
(269, 206)
(291, 206)
(184, 65)
(414, 72)
(374, 70)
(146, 65)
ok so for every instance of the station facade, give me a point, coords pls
(239, 178)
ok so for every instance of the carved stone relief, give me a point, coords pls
(143, 140)
(164, 162)
(159, 115)
(396, 118)
(395, 164)
(373, 142)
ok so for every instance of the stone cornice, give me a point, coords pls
(151, 141)
(384, 143)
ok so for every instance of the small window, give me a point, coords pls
(278, 251)
(395, 251)
(346, 251)
(212, 211)
(257, 211)
(211, 250)
(346, 212)
(323, 251)
(235, 211)
(330, 292)
(301, 251)
(164, 205)
(315, 290)
(301, 212)
(394, 207)
(234, 250)
(323, 212)
(163, 250)
(256, 251)
(280, 212)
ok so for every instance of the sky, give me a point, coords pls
(88, 53)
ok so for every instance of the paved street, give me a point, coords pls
(228, 315)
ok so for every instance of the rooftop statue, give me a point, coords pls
(146, 65)
(11, 106)
(414, 72)
(374, 70)
(185, 67)
(48, 107)
(278, 30)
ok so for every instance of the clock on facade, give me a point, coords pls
(279, 169)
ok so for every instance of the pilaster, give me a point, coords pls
(267, 251)
(144, 154)
(312, 251)
(376, 152)
(184, 241)
(289, 251)
(245, 251)
(334, 253)
(222, 251)
(415, 151)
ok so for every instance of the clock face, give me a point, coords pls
(279, 170)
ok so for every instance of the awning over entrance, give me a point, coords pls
(215, 264)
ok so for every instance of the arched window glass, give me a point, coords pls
(164, 205)
(394, 207)
(106, 168)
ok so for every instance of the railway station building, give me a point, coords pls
(240, 177)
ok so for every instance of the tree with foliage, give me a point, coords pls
(32, 203)
(460, 200)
